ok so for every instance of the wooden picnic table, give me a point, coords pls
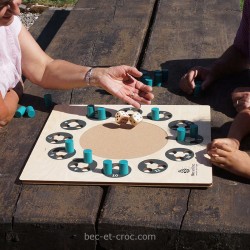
(151, 35)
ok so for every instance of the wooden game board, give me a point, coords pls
(155, 158)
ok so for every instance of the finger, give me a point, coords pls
(140, 90)
(219, 159)
(220, 165)
(140, 96)
(146, 96)
(217, 153)
(224, 147)
(241, 90)
(143, 87)
(239, 100)
(239, 106)
(191, 75)
(237, 96)
(132, 102)
(190, 80)
(213, 143)
(127, 97)
(141, 99)
(221, 162)
(209, 146)
(133, 71)
(186, 85)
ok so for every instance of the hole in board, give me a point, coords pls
(147, 170)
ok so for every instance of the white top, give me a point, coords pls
(10, 56)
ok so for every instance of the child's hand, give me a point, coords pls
(233, 143)
(4, 113)
(187, 82)
(229, 158)
(241, 98)
(8, 107)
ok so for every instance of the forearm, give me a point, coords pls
(60, 74)
(232, 61)
(240, 126)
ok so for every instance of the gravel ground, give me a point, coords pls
(29, 14)
(28, 18)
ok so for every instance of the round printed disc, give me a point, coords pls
(179, 154)
(164, 116)
(79, 166)
(60, 153)
(180, 123)
(58, 138)
(73, 124)
(115, 171)
(191, 141)
(152, 166)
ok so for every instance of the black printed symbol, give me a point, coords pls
(184, 170)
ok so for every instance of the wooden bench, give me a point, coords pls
(149, 35)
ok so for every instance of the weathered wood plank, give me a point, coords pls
(56, 217)
(103, 36)
(191, 30)
(217, 218)
(44, 31)
(130, 213)
(8, 197)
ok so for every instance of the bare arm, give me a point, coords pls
(42, 70)
(231, 61)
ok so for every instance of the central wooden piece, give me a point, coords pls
(114, 141)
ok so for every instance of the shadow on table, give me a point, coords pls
(36, 102)
(224, 174)
(51, 28)
(217, 96)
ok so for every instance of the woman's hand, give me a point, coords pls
(121, 82)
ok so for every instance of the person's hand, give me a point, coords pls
(228, 157)
(8, 106)
(232, 142)
(4, 112)
(187, 82)
(241, 98)
(120, 81)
